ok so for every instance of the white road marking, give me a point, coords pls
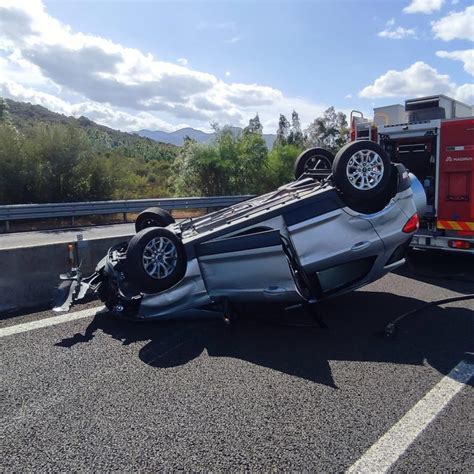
(42, 323)
(388, 449)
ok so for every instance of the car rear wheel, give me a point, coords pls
(361, 170)
(153, 217)
(155, 259)
(313, 159)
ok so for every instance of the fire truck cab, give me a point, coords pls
(433, 137)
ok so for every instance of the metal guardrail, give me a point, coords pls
(74, 209)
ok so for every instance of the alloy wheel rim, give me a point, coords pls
(159, 257)
(365, 169)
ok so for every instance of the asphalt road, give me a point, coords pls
(96, 394)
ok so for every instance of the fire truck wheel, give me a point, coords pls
(361, 170)
(313, 159)
(153, 217)
(155, 259)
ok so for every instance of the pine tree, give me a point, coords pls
(295, 136)
(254, 126)
(283, 131)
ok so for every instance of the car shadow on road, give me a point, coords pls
(262, 336)
(451, 270)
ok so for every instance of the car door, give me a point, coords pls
(336, 249)
(251, 267)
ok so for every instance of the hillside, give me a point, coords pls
(177, 137)
(54, 158)
(25, 115)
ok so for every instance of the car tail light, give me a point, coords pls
(412, 224)
(459, 244)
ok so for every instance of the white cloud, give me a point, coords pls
(114, 83)
(234, 39)
(15, 68)
(348, 96)
(399, 32)
(307, 112)
(423, 6)
(101, 113)
(17, 91)
(466, 56)
(465, 93)
(456, 25)
(417, 80)
(227, 73)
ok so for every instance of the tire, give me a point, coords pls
(155, 259)
(361, 170)
(153, 217)
(118, 306)
(314, 158)
(107, 295)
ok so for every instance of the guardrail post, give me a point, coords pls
(125, 217)
(7, 226)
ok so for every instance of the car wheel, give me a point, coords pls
(313, 159)
(108, 294)
(153, 217)
(155, 259)
(361, 170)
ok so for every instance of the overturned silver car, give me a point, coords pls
(343, 223)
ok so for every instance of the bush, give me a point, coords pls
(60, 163)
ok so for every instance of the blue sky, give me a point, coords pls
(164, 65)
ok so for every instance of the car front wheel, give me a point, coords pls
(155, 259)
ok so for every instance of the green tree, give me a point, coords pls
(283, 131)
(200, 170)
(58, 151)
(295, 136)
(4, 112)
(229, 165)
(254, 126)
(330, 131)
(251, 163)
(13, 167)
(281, 165)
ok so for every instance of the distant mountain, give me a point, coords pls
(177, 137)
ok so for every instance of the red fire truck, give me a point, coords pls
(434, 138)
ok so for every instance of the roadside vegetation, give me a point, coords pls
(70, 159)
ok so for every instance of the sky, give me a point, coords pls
(164, 65)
